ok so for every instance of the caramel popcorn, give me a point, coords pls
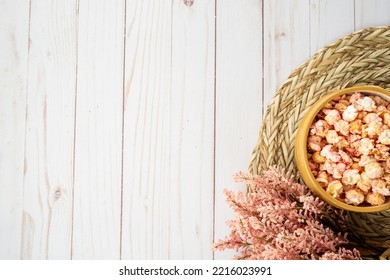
(386, 118)
(381, 187)
(354, 196)
(323, 178)
(375, 198)
(335, 188)
(332, 137)
(342, 127)
(349, 149)
(317, 158)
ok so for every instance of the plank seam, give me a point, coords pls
(123, 123)
(25, 126)
(75, 123)
(215, 120)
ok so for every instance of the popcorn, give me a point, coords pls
(386, 118)
(353, 140)
(386, 177)
(335, 188)
(345, 157)
(372, 117)
(350, 113)
(330, 153)
(323, 178)
(349, 149)
(356, 166)
(375, 198)
(342, 127)
(366, 145)
(374, 128)
(335, 169)
(355, 97)
(373, 170)
(385, 166)
(364, 183)
(317, 158)
(327, 166)
(380, 186)
(319, 128)
(366, 104)
(379, 101)
(340, 107)
(354, 196)
(384, 137)
(364, 178)
(342, 144)
(313, 167)
(332, 137)
(355, 127)
(382, 148)
(381, 152)
(314, 143)
(351, 177)
(364, 160)
(332, 116)
(364, 187)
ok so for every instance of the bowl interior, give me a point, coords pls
(301, 154)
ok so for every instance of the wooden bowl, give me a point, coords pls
(301, 154)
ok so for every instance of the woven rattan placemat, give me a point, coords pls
(360, 58)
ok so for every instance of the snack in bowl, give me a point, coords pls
(343, 149)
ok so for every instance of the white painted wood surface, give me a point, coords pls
(122, 121)
(14, 32)
(48, 169)
(238, 86)
(169, 126)
(98, 131)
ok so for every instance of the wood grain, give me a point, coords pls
(98, 143)
(329, 20)
(238, 98)
(122, 121)
(168, 136)
(48, 180)
(286, 41)
(371, 13)
(146, 121)
(192, 130)
(14, 25)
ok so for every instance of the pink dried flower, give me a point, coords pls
(280, 219)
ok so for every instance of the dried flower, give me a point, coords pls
(282, 220)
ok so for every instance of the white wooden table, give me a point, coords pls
(122, 121)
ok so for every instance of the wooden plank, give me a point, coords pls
(168, 135)
(286, 41)
(98, 142)
(371, 13)
(48, 180)
(238, 98)
(192, 130)
(329, 20)
(14, 22)
(146, 151)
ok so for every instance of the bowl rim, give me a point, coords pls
(300, 150)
